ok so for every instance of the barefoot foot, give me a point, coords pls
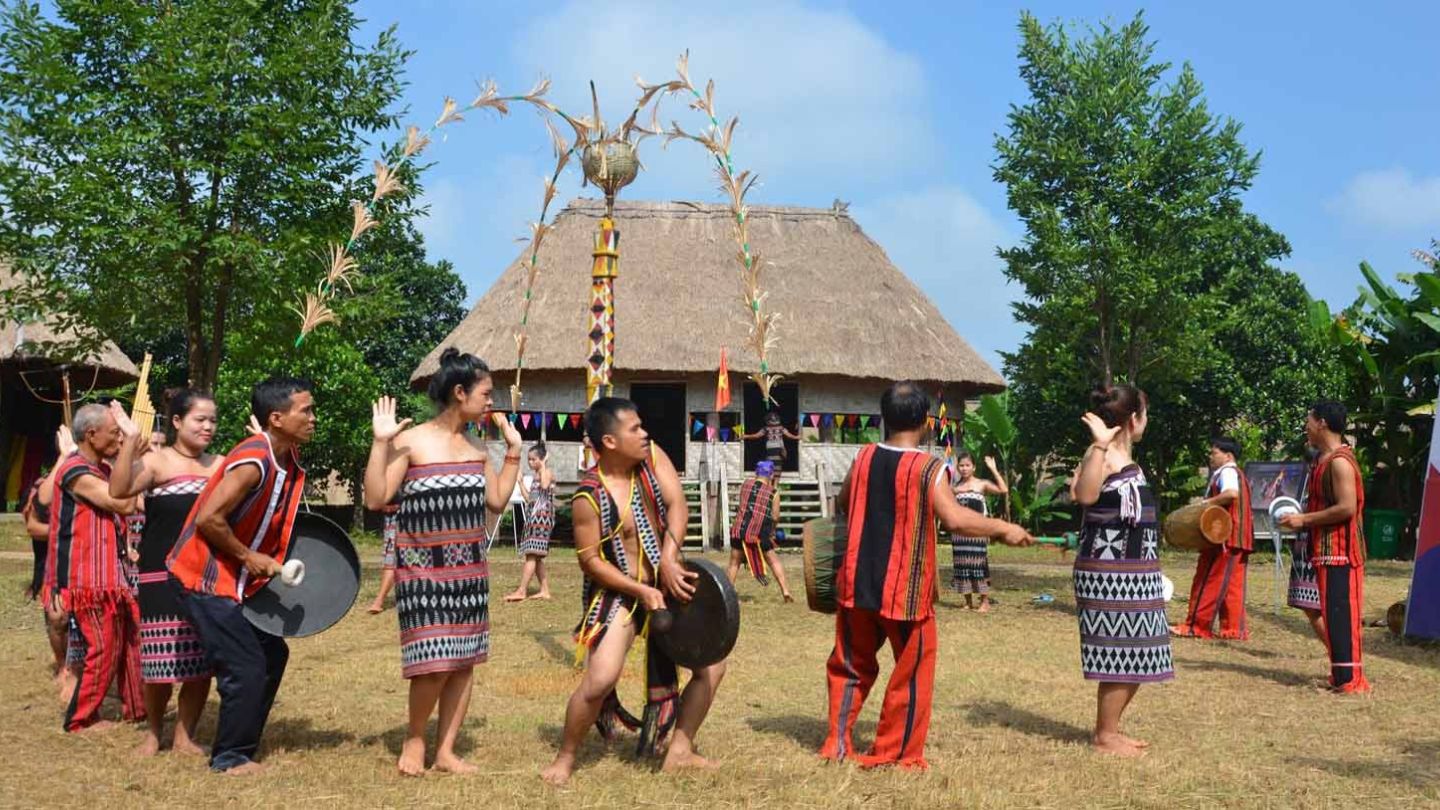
(248, 769)
(1116, 745)
(984, 607)
(412, 757)
(1137, 743)
(542, 595)
(148, 747)
(375, 607)
(97, 727)
(676, 761)
(558, 772)
(515, 596)
(786, 595)
(187, 747)
(449, 763)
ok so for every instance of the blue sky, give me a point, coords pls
(894, 107)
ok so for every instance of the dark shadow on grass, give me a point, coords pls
(1415, 766)
(594, 748)
(1004, 715)
(806, 730)
(300, 734)
(1280, 676)
(558, 645)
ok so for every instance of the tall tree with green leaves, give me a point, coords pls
(1138, 251)
(181, 162)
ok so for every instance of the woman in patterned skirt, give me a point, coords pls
(170, 478)
(971, 571)
(539, 523)
(442, 583)
(1124, 637)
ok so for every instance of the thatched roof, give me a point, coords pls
(114, 367)
(845, 309)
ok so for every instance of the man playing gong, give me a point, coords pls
(229, 548)
(630, 514)
(892, 498)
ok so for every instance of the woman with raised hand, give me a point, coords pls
(539, 524)
(170, 479)
(1119, 592)
(442, 578)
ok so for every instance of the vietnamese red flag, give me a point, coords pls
(722, 383)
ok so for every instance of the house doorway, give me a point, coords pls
(787, 402)
(663, 413)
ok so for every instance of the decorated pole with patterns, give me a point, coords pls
(602, 311)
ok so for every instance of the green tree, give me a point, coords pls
(1139, 263)
(181, 163)
(1388, 343)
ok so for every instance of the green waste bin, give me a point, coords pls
(1382, 533)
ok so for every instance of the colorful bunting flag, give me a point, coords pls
(710, 433)
(525, 420)
(724, 434)
(815, 420)
(575, 420)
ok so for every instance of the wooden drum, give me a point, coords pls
(1197, 526)
(824, 549)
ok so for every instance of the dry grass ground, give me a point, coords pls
(1242, 725)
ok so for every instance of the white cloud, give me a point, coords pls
(822, 99)
(945, 241)
(1393, 199)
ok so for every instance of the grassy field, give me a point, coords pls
(1242, 725)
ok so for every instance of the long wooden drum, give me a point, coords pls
(824, 548)
(1197, 526)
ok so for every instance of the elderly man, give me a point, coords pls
(85, 574)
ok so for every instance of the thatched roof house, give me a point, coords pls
(850, 323)
(27, 425)
(20, 345)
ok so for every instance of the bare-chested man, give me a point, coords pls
(629, 515)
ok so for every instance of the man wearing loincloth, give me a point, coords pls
(630, 515)
(752, 535)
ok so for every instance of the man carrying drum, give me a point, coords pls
(892, 498)
(1219, 586)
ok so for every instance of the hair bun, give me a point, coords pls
(1101, 396)
(450, 356)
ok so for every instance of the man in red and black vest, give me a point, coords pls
(229, 548)
(892, 498)
(84, 574)
(1333, 516)
(1218, 591)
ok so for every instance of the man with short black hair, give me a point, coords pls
(1218, 590)
(1333, 517)
(630, 515)
(229, 548)
(84, 573)
(892, 498)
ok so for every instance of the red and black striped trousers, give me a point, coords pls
(851, 671)
(1218, 591)
(110, 639)
(1342, 591)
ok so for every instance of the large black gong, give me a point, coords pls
(324, 596)
(702, 631)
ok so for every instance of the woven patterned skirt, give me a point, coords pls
(1304, 590)
(971, 573)
(539, 525)
(170, 649)
(388, 530)
(442, 576)
(1119, 594)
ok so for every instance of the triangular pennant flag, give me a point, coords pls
(827, 420)
(854, 420)
(815, 420)
(574, 420)
(870, 421)
(525, 420)
(724, 434)
(801, 420)
(697, 426)
(513, 417)
(710, 433)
